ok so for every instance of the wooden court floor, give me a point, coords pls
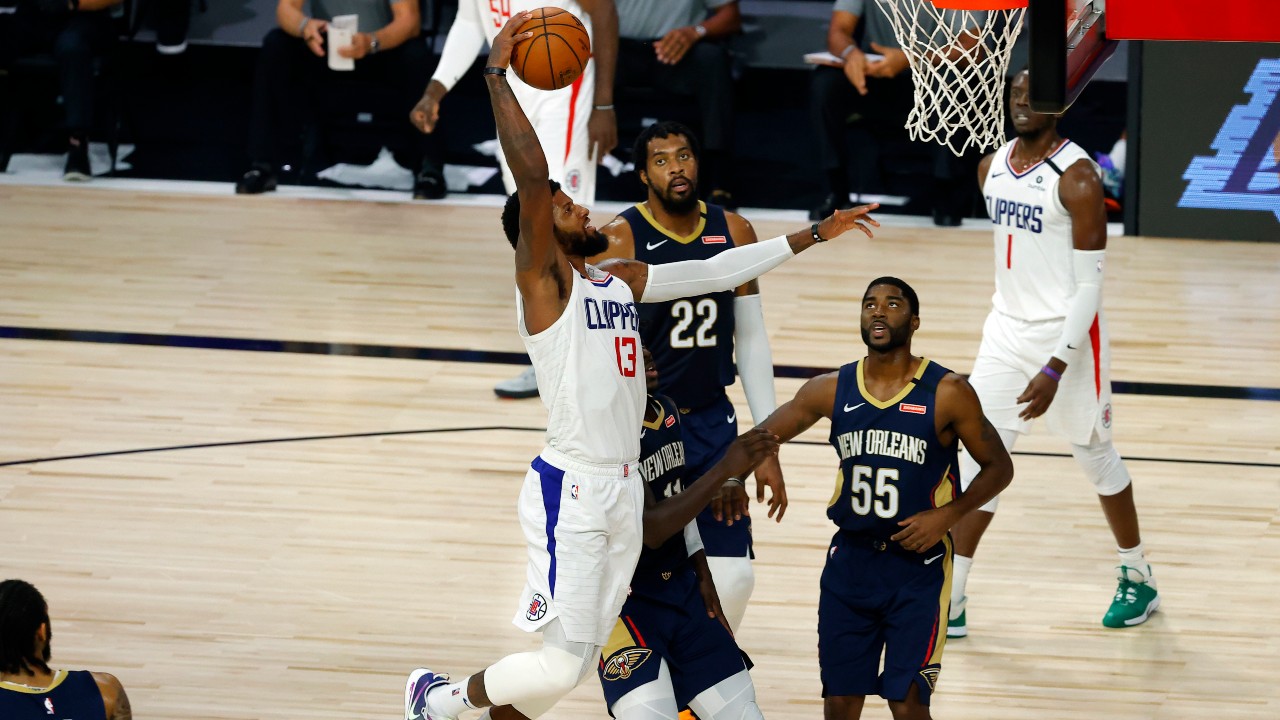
(305, 578)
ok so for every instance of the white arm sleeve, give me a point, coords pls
(461, 47)
(755, 359)
(1085, 303)
(725, 271)
(692, 538)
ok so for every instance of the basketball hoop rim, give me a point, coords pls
(979, 4)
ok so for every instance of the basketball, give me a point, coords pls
(557, 53)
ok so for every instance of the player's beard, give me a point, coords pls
(678, 205)
(898, 337)
(588, 244)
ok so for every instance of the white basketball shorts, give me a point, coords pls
(583, 527)
(1013, 351)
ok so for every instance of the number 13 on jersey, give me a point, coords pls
(625, 348)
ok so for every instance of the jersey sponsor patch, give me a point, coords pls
(912, 408)
(714, 240)
(621, 664)
(671, 420)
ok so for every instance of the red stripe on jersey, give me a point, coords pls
(634, 632)
(1095, 339)
(573, 104)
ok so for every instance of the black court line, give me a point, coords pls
(408, 352)
(484, 428)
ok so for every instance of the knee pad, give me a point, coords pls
(969, 467)
(545, 674)
(1102, 465)
(733, 698)
(735, 579)
(652, 701)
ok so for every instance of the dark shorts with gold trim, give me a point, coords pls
(878, 598)
(674, 627)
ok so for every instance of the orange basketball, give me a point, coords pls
(557, 53)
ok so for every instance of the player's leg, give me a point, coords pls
(733, 698)
(711, 674)
(708, 432)
(1082, 413)
(998, 378)
(654, 700)
(850, 635)
(913, 641)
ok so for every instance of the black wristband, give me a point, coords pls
(816, 237)
(495, 71)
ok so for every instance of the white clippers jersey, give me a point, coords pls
(590, 371)
(1034, 276)
(494, 14)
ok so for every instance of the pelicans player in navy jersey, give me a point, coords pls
(1045, 349)
(582, 502)
(694, 339)
(896, 420)
(672, 646)
(29, 688)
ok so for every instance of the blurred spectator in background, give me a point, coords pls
(677, 46)
(172, 19)
(29, 688)
(873, 83)
(293, 75)
(76, 32)
(876, 89)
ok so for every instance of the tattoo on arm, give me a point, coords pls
(123, 710)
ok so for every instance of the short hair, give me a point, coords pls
(22, 611)
(907, 291)
(511, 214)
(661, 130)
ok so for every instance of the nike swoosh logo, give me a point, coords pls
(732, 417)
(655, 246)
(1070, 346)
(855, 407)
(935, 557)
(996, 174)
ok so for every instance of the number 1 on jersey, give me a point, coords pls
(1008, 254)
(625, 348)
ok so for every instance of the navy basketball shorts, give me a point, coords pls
(876, 599)
(708, 432)
(699, 651)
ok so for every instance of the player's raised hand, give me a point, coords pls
(748, 450)
(842, 221)
(500, 51)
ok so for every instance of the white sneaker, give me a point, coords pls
(956, 627)
(524, 385)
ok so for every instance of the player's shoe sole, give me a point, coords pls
(416, 688)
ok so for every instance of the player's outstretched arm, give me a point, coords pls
(731, 268)
(812, 403)
(666, 518)
(959, 415)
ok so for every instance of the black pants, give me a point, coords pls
(703, 74)
(833, 101)
(290, 82)
(75, 40)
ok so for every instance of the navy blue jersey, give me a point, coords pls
(662, 465)
(691, 338)
(892, 464)
(73, 695)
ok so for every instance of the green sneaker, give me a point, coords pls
(1133, 604)
(955, 621)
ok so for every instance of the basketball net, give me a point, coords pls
(958, 52)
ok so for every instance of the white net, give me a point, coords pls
(959, 59)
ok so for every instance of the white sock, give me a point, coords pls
(1137, 569)
(959, 578)
(449, 700)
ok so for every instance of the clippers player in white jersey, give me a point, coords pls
(1044, 347)
(582, 502)
(576, 125)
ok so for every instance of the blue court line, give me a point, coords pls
(408, 352)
